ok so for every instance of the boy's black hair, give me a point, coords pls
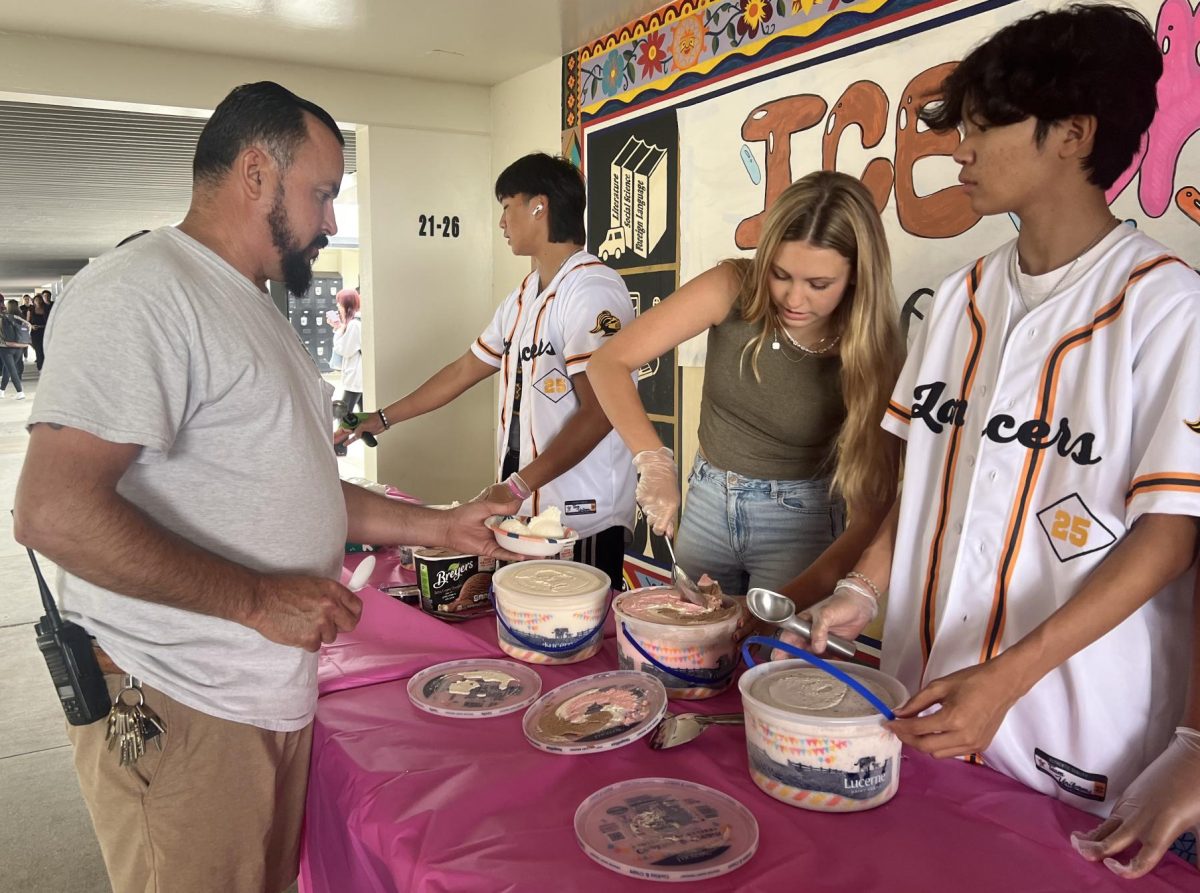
(1086, 59)
(558, 180)
(264, 113)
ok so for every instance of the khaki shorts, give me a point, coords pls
(219, 809)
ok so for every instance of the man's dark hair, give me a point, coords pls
(263, 113)
(558, 180)
(1086, 59)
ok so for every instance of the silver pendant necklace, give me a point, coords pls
(825, 345)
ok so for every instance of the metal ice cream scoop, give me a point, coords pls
(680, 728)
(778, 609)
(682, 582)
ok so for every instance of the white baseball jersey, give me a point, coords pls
(1032, 448)
(552, 335)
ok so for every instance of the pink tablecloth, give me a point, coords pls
(400, 800)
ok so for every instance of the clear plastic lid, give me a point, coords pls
(595, 713)
(474, 688)
(666, 829)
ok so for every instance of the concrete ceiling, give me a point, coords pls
(74, 180)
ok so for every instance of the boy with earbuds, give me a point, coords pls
(554, 445)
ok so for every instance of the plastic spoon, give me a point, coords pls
(361, 574)
(680, 728)
(682, 582)
(781, 611)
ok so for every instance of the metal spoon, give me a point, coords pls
(680, 728)
(780, 610)
(682, 582)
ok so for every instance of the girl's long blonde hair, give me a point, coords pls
(828, 209)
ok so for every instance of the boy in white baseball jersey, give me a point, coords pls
(554, 445)
(1038, 558)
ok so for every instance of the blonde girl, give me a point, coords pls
(803, 351)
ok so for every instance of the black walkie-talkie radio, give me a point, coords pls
(67, 647)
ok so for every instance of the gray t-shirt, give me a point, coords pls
(163, 344)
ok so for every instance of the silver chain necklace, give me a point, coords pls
(1016, 273)
(810, 351)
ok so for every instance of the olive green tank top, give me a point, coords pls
(782, 428)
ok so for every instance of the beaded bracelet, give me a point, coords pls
(855, 575)
(384, 419)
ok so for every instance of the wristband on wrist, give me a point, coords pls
(863, 578)
(384, 419)
(517, 486)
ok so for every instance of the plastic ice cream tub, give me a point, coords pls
(689, 648)
(550, 612)
(815, 743)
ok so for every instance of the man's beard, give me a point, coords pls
(297, 271)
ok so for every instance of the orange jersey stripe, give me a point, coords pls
(933, 569)
(1105, 316)
(487, 350)
(578, 358)
(897, 411)
(1181, 481)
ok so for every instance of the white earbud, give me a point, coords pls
(540, 207)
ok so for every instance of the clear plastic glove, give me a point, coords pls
(846, 613)
(1161, 803)
(658, 489)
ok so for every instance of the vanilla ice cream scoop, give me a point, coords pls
(547, 523)
(514, 525)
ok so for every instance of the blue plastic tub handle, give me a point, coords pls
(573, 645)
(714, 682)
(819, 664)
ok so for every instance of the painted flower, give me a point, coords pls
(753, 15)
(614, 73)
(687, 42)
(651, 57)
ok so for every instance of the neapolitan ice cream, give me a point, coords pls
(816, 743)
(550, 612)
(689, 648)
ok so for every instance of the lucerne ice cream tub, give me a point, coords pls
(689, 648)
(816, 743)
(550, 612)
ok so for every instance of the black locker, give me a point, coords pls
(307, 315)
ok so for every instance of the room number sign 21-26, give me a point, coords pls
(430, 225)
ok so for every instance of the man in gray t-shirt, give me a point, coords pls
(180, 472)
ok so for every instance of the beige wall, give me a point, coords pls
(526, 116)
(428, 297)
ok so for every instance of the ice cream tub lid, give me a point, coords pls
(666, 829)
(554, 579)
(596, 713)
(475, 688)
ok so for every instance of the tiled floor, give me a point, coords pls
(46, 840)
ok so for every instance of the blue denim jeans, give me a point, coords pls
(746, 532)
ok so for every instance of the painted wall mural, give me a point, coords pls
(754, 94)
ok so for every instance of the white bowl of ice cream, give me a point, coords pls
(814, 742)
(540, 536)
(690, 648)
